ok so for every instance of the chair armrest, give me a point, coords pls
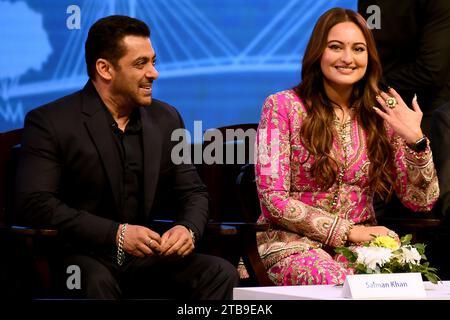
(222, 228)
(423, 229)
(234, 228)
(37, 246)
(412, 223)
(27, 231)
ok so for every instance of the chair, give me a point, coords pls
(248, 198)
(236, 150)
(228, 215)
(421, 225)
(24, 250)
(431, 228)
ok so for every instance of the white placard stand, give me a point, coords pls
(385, 285)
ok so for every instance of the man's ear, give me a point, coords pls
(104, 69)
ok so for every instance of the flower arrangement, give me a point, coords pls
(385, 255)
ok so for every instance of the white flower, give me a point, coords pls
(373, 256)
(382, 255)
(408, 254)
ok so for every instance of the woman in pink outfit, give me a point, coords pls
(326, 147)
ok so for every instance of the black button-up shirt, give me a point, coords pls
(130, 150)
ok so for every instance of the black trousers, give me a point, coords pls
(195, 277)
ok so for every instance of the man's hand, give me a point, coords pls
(140, 241)
(177, 241)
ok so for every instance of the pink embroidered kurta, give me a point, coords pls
(304, 220)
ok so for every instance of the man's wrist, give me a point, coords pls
(192, 233)
(118, 234)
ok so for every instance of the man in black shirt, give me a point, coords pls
(440, 143)
(95, 164)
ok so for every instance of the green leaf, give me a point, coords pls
(406, 239)
(420, 248)
(433, 278)
(347, 253)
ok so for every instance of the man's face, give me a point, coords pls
(134, 73)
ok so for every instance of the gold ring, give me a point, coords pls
(150, 243)
(391, 102)
(392, 234)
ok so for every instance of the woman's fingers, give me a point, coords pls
(388, 102)
(397, 97)
(415, 104)
(382, 101)
(381, 113)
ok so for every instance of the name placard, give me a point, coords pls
(385, 285)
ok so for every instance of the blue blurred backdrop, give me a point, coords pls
(218, 59)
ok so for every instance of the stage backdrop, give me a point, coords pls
(218, 59)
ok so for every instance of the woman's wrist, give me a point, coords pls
(350, 231)
(353, 235)
(419, 145)
(414, 138)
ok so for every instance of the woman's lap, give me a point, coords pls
(312, 267)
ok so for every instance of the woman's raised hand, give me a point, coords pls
(404, 120)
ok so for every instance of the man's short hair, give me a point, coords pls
(105, 39)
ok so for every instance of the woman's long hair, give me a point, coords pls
(317, 129)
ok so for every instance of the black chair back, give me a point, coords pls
(247, 193)
(9, 153)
